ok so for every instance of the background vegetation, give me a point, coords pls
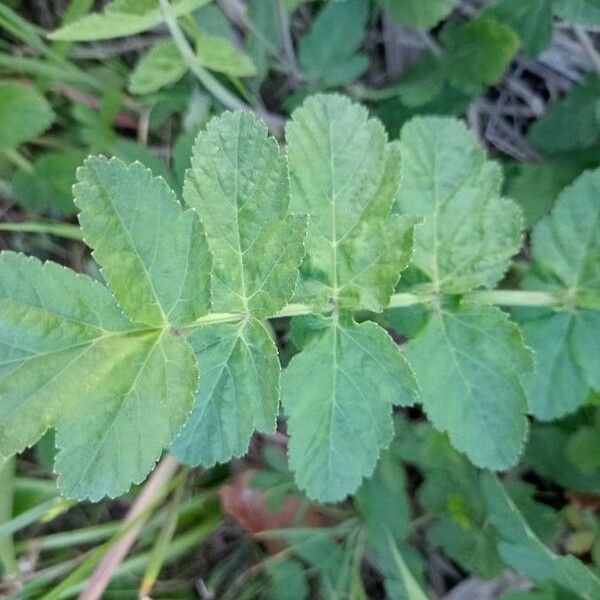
(138, 81)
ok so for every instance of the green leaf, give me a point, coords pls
(572, 123)
(56, 331)
(70, 359)
(238, 184)
(130, 151)
(531, 19)
(423, 81)
(218, 54)
(451, 495)
(340, 422)
(162, 65)
(345, 175)
(49, 184)
(478, 53)
(328, 52)
(287, 579)
(121, 18)
(383, 502)
(566, 244)
(586, 12)
(521, 549)
(153, 254)
(583, 449)
(418, 13)
(117, 432)
(558, 386)
(566, 252)
(535, 186)
(24, 114)
(469, 362)
(473, 56)
(468, 232)
(239, 392)
(412, 589)
(546, 454)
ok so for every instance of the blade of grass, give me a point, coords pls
(149, 496)
(7, 547)
(161, 547)
(45, 511)
(65, 230)
(193, 509)
(179, 546)
(76, 10)
(36, 67)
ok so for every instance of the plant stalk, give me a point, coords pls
(105, 571)
(221, 93)
(498, 297)
(65, 230)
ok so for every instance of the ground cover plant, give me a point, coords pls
(300, 299)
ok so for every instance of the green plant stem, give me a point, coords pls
(18, 160)
(221, 93)
(515, 298)
(286, 37)
(7, 547)
(65, 230)
(499, 297)
(45, 511)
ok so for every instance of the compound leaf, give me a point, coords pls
(238, 184)
(522, 550)
(345, 175)
(340, 422)
(117, 432)
(469, 362)
(469, 232)
(566, 251)
(121, 18)
(328, 52)
(153, 254)
(239, 392)
(24, 114)
(55, 332)
(418, 13)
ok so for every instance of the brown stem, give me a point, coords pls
(105, 570)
